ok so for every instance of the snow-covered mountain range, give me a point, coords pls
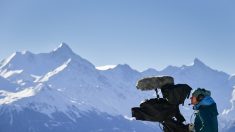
(60, 91)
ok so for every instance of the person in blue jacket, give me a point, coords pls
(205, 111)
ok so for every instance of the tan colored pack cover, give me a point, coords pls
(151, 83)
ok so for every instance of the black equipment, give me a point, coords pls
(164, 110)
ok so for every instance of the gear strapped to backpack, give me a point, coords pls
(157, 110)
(163, 110)
(176, 94)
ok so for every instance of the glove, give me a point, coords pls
(191, 127)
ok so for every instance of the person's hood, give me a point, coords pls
(206, 101)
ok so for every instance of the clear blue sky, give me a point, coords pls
(142, 33)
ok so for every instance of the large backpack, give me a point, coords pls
(157, 110)
(176, 94)
(164, 110)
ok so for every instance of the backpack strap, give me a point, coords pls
(156, 90)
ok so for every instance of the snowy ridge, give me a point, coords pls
(57, 70)
(10, 97)
(7, 74)
(7, 60)
(106, 67)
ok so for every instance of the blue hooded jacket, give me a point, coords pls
(206, 116)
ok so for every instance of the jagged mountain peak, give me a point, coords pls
(40, 64)
(16, 57)
(63, 48)
(199, 65)
(198, 62)
(123, 67)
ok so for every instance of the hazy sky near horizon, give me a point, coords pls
(141, 33)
